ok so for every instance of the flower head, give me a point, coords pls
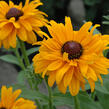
(20, 20)
(8, 100)
(72, 57)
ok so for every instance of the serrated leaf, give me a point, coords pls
(9, 58)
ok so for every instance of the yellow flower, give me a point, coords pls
(8, 100)
(20, 20)
(72, 57)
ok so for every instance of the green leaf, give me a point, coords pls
(63, 99)
(31, 94)
(87, 103)
(66, 99)
(32, 50)
(9, 58)
(106, 17)
(100, 88)
(21, 77)
(103, 99)
(106, 22)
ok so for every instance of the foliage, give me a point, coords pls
(31, 91)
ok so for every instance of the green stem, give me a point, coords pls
(19, 58)
(27, 62)
(76, 102)
(50, 95)
(93, 95)
(23, 49)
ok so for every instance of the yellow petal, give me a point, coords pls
(83, 30)
(3, 94)
(11, 4)
(43, 33)
(91, 74)
(12, 38)
(26, 25)
(26, 2)
(44, 73)
(16, 94)
(83, 68)
(31, 37)
(69, 28)
(92, 84)
(5, 31)
(51, 78)
(55, 65)
(85, 27)
(61, 87)
(105, 37)
(22, 34)
(60, 73)
(68, 77)
(2, 24)
(6, 43)
(92, 30)
(100, 78)
(3, 7)
(65, 56)
(74, 86)
(16, 24)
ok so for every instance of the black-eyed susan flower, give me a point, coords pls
(20, 20)
(70, 57)
(8, 100)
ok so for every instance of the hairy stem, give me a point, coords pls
(23, 50)
(27, 63)
(50, 95)
(19, 58)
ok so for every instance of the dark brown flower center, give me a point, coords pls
(14, 12)
(74, 49)
(2, 108)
